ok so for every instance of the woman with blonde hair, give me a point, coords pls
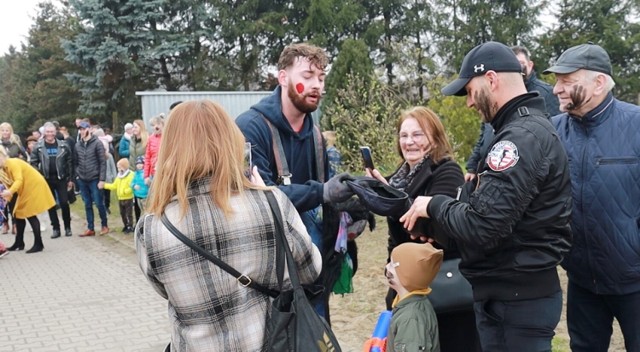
(202, 189)
(32, 197)
(13, 147)
(137, 148)
(11, 142)
(428, 168)
(153, 146)
(138, 144)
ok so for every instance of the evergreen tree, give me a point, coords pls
(45, 56)
(353, 61)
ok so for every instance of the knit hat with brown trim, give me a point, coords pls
(417, 264)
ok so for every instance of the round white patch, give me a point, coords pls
(502, 156)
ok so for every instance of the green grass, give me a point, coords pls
(559, 344)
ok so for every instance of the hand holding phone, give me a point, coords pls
(366, 157)
(248, 164)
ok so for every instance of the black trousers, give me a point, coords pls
(126, 212)
(59, 191)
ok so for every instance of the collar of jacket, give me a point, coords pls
(508, 110)
(597, 115)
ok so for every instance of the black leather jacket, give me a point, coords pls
(514, 230)
(64, 160)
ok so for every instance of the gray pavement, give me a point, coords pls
(79, 294)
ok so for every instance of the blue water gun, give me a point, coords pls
(378, 340)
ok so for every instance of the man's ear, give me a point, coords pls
(600, 83)
(282, 78)
(492, 79)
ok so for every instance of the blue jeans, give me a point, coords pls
(90, 194)
(590, 319)
(521, 326)
(312, 220)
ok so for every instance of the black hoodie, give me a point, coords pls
(305, 192)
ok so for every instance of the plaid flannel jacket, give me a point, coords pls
(208, 309)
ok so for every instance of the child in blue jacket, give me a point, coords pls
(140, 188)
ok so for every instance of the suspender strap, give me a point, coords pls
(284, 176)
(319, 148)
(243, 279)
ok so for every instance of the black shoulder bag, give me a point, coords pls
(293, 325)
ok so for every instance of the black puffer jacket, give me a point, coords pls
(514, 230)
(90, 163)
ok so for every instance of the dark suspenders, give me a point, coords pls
(284, 175)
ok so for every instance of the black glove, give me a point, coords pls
(336, 191)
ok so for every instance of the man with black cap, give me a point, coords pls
(512, 225)
(602, 137)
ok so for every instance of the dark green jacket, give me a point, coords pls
(414, 326)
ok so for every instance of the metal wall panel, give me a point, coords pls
(235, 103)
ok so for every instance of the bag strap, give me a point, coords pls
(243, 279)
(284, 175)
(291, 265)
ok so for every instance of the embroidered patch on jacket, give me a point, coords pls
(502, 156)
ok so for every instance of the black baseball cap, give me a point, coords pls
(490, 56)
(588, 56)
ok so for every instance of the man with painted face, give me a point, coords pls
(602, 137)
(511, 225)
(286, 146)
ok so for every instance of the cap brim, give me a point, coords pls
(560, 69)
(456, 87)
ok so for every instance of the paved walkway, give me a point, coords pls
(79, 294)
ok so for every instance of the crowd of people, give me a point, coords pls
(67, 166)
(553, 180)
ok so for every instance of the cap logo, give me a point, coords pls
(478, 68)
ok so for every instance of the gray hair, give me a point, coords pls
(48, 124)
(593, 75)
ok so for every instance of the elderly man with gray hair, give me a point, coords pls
(602, 137)
(54, 159)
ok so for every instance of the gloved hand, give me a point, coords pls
(336, 191)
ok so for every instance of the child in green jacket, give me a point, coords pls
(414, 326)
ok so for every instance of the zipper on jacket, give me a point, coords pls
(619, 161)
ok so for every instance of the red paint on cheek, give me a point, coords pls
(300, 88)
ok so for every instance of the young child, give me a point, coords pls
(140, 188)
(122, 185)
(414, 326)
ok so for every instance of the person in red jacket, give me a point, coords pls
(153, 146)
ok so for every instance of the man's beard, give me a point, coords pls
(484, 105)
(299, 101)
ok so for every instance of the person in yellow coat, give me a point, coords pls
(122, 185)
(33, 197)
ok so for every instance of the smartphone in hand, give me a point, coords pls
(366, 157)
(248, 164)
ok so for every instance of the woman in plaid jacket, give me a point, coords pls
(201, 188)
